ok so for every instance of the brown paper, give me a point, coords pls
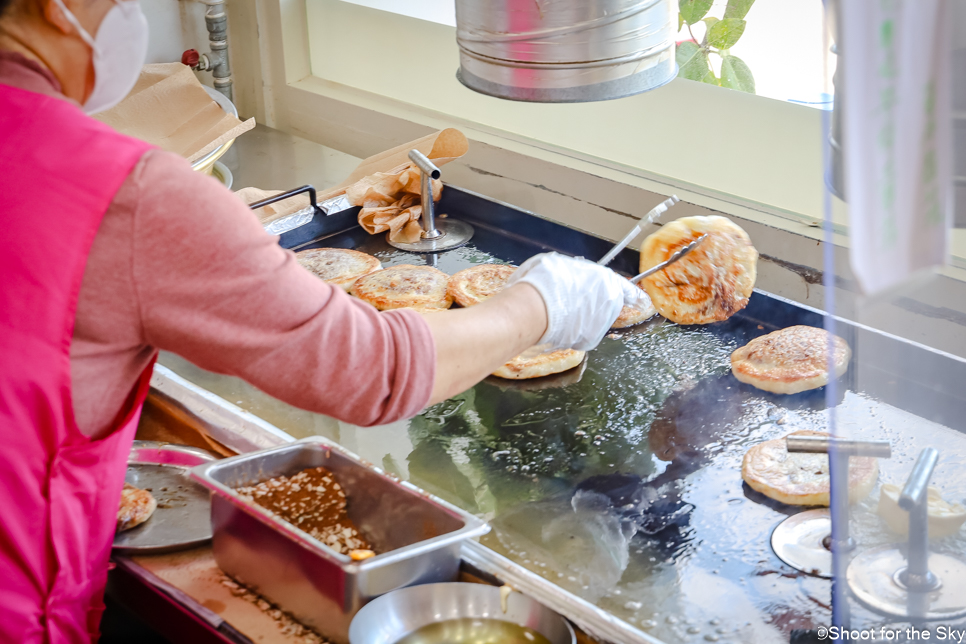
(169, 108)
(441, 147)
(387, 185)
(273, 211)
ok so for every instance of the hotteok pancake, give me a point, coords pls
(790, 360)
(404, 286)
(338, 266)
(709, 284)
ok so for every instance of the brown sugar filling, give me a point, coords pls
(314, 502)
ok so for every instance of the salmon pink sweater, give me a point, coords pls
(180, 263)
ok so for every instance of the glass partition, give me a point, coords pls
(898, 497)
(905, 569)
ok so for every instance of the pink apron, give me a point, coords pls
(59, 490)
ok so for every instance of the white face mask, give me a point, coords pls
(120, 49)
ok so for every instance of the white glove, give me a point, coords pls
(582, 298)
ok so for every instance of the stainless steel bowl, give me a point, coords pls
(206, 164)
(391, 617)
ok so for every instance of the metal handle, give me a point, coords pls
(823, 445)
(429, 172)
(285, 195)
(914, 492)
(655, 212)
(424, 164)
(839, 452)
(917, 576)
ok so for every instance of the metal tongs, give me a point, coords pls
(649, 218)
(678, 254)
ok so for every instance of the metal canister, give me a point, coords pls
(565, 50)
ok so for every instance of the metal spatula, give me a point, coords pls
(678, 254)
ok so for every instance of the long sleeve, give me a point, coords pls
(210, 285)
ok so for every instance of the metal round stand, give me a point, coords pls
(804, 540)
(908, 581)
(455, 233)
(876, 580)
(800, 542)
(437, 236)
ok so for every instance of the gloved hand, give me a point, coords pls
(582, 298)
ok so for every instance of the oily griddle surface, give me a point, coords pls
(621, 482)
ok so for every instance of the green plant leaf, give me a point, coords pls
(735, 74)
(711, 79)
(694, 10)
(692, 61)
(680, 21)
(725, 33)
(738, 8)
(685, 51)
(709, 22)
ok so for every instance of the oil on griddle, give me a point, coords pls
(623, 484)
(625, 487)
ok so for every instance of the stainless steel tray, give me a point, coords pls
(420, 537)
(182, 519)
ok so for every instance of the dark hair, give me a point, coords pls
(4, 5)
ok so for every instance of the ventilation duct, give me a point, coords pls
(565, 51)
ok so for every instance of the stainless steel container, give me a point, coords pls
(566, 50)
(206, 164)
(390, 618)
(420, 536)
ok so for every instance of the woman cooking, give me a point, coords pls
(108, 254)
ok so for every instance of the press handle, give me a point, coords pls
(914, 499)
(424, 164)
(917, 485)
(825, 444)
(428, 171)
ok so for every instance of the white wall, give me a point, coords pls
(175, 25)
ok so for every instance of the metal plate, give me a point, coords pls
(798, 542)
(455, 234)
(183, 517)
(872, 579)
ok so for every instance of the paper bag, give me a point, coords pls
(440, 147)
(387, 185)
(169, 108)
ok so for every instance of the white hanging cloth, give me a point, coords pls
(898, 136)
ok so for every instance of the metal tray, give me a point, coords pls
(419, 536)
(181, 520)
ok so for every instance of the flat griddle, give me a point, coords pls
(623, 484)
